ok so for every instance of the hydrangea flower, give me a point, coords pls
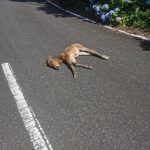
(148, 2)
(116, 9)
(94, 6)
(103, 18)
(111, 12)
(97, 8)
(107, 15)
(101, 13)
(105, 7)
(126, 1)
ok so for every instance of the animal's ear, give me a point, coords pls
(49, 57)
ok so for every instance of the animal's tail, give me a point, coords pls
(93, 52)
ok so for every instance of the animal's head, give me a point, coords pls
(51, 62)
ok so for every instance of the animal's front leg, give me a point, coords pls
(71, 61)
(73, 71)
(83, 66)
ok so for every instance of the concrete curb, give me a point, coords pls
(92, 21)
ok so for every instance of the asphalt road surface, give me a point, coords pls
(107, 108)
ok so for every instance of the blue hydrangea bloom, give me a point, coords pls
(126, 1)
(103, 18)
(97, 13)
(94, 6)
(148, 2)
(111, 12)
(97, 8)
(105, 7)
(101, 13)
(107, 15)
(116, 9)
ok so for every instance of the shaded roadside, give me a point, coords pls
(144, 44)
(82, 12)
(44, 6)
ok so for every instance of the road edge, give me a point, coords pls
(92, 21)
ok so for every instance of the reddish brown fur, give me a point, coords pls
(69, 55)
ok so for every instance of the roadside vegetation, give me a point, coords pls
(135, 13)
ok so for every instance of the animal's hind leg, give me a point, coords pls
(83, 66)
(93, 52)
(84, 53)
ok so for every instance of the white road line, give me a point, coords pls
(92, 21)
(35, 131)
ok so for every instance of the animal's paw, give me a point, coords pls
(90, 67)
(75, 75)
(105, 57)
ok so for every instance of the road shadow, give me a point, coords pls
(43, 5)
(144, 44)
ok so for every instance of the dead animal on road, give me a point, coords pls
(68, 56)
